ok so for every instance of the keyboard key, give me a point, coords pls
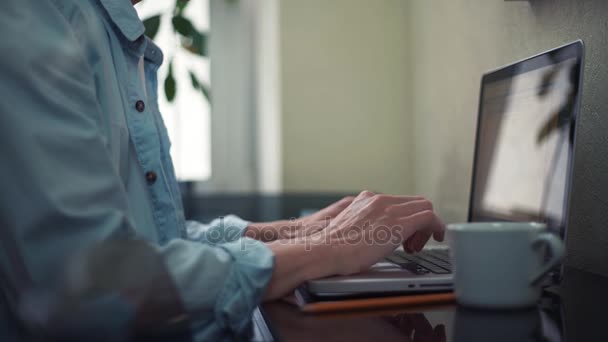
(442, 252)
(408, 265)
(438, 262)
(397, 259)
(428, 264)
(415, 268)
(439, 255)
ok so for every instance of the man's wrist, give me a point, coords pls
(314, 259)
(271, 231)
(253, 231)
(325, 261)
(263, 231)
(320, 257)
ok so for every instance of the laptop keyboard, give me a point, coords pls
(436, 261)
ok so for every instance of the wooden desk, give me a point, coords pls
(573, 312)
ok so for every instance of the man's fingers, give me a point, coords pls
(422, 220)
(335, 208)
(414, 213)
(343, 203)
(365, 194)
(407, 246)
(361, 200)
(420, 239)
(417, 241)
(399, 200)
(409, 208)
(367, 202)
(439, 236)
(410, 243)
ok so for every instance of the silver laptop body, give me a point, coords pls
(385, 277)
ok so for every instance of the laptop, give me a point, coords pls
(522, 168)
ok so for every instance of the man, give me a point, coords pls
(85, 158)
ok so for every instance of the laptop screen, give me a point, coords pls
(525, 139)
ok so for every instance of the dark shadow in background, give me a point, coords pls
(256, 207)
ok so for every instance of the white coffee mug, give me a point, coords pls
(501, 264)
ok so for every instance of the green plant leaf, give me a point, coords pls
(196, 43)
(192, 39)
(206, 92)
(180, 5)
(170, 88)
(151, 24)
(196, 84)
(182, 25)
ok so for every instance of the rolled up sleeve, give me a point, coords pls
(220, 283)
(221, 230)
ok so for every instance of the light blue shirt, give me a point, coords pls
(85, 157)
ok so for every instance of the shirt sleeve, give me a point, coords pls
(60, 191)
(221, 230)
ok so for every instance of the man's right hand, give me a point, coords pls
(373, 225)
(366, 231)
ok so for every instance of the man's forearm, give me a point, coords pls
(270, 231)
(297, 261)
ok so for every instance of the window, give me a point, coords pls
(231, 145)
(187, 117)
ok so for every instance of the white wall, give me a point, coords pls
(453, 43)
(346, 123)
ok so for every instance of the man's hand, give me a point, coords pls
(363, 233)
(316, 222)
(298, 228)
(416, 242)
(372, 226)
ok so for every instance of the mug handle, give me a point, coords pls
(556, 252)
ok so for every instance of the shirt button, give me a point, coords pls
(140, 106)
(151, 177)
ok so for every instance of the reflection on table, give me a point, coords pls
(434, 324)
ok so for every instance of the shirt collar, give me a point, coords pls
(153, 53)
(124, 16)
